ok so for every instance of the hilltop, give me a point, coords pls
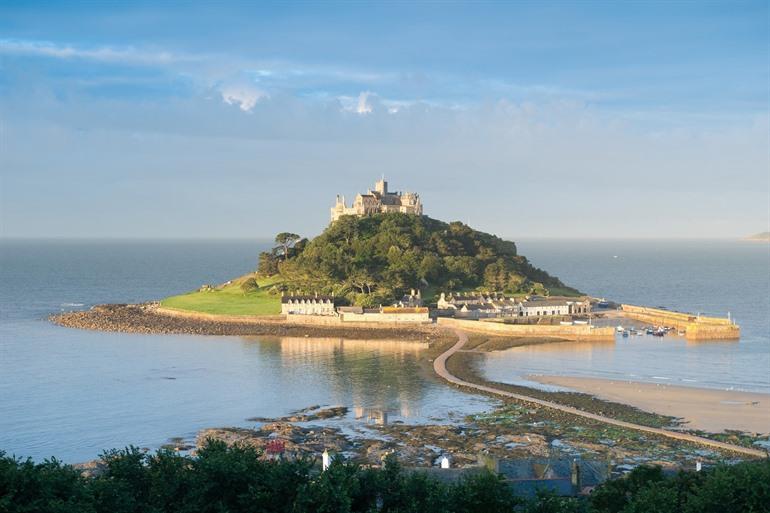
(374, 259)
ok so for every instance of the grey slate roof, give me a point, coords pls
(318, 299)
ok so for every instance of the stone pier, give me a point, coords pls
(696, 327)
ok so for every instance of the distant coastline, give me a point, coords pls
(759, 237)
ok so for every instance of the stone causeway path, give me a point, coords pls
(439, 366)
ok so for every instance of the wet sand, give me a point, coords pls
(706, 409)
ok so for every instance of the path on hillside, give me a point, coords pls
(439, 365)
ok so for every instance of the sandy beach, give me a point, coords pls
(706, 409)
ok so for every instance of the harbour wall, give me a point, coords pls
(582, 332)
(696, 327)
(248, 319)
(364, 320)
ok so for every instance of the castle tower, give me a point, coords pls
(381, 186)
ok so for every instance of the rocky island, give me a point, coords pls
(383, 269)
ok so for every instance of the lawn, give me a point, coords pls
(229, 300)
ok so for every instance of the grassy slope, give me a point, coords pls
(229, 300)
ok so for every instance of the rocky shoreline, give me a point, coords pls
(149, 318)
(509, 432)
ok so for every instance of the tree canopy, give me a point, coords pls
(237, 479)
(285, 241)
(375, 259)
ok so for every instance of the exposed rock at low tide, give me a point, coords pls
(298, 441)
(308, 414)
(497, 434)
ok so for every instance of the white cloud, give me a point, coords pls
(363, 106)
(365, 103)
(243, 95)
(127, 54)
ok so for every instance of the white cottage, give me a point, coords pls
(307, 305)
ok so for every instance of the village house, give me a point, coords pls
(379, 200)
(476, 311)
(307, 305)
(455, 301)
(481, 306)
(579, 306)
(543, 308)
(411, 300)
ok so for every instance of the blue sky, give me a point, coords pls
(555, 119)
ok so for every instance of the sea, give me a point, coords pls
(711, 277)
(72, 394)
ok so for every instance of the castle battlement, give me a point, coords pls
(379, 200)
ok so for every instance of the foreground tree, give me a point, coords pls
(236, 479)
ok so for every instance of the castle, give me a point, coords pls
(379, 200)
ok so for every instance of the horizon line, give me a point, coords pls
(129, 238)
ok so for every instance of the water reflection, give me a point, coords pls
(372, 415)
(670, 359)
(81, 392)
(378, 375)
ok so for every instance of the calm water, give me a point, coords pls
(73, 393)
(712, 277)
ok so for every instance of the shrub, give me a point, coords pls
(249, 285)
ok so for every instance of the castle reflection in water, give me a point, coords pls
(380, 380)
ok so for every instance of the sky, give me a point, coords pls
(524, 119)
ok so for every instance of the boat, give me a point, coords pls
(619, 329)
(650, 331)
(625, 333)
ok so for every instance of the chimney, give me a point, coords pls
(576, 478)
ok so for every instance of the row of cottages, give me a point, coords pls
(484, 306)
(324, 306)
(307, 305)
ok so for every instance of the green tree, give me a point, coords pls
(268, 264)
(395, 252)
(486, 492)
(48, 487)
(430, 268)
(743, 487)
(125, 485)
(548, 502)
(249, 285)
(286, 240)
(613, 496)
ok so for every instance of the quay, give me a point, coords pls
(696, 327)
(577, 332)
